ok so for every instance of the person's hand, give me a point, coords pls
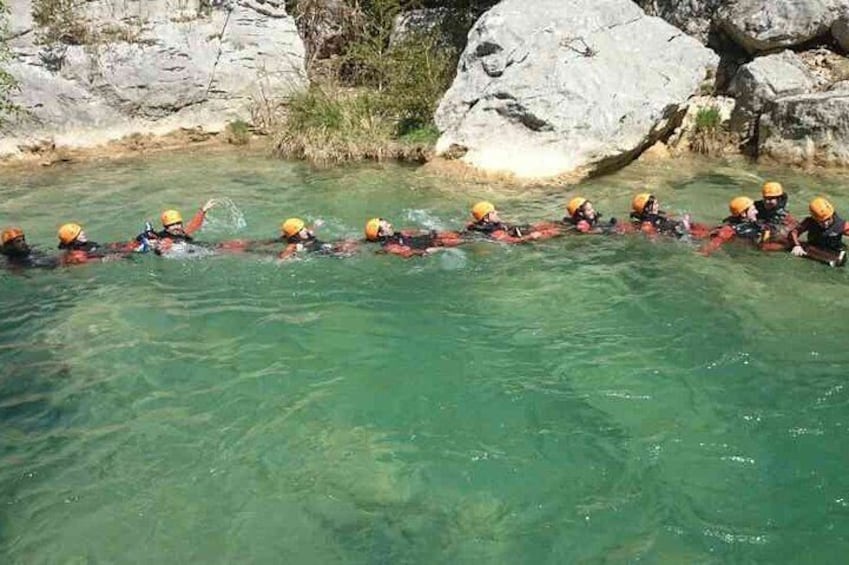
(798, 251)
(318, 223)
(211, 203)
(534, 235)
(685, 219)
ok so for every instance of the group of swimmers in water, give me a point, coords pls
(765, 224)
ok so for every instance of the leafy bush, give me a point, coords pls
(709, 136)
(7, 81)
(60, 21)
(238, 132)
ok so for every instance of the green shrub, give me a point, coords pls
(238, 132)
(60, 21)
(7, 82)
(708, 118)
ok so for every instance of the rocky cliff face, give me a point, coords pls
(568, 86)
(115, 67)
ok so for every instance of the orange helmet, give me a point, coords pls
(739, 205)
(481, 209)
(373, 229)
(638, 204)
(772, 190)
(821, 209)
(9, 234)
(69, 232)
(170, 217)
(575, 204)
(292, 226)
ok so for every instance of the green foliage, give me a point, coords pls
(380, 90)
(60, 22)
(238, 132)
(7, 82)
(708, 119)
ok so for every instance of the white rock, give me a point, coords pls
(561, 87)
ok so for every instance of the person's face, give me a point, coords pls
(386, 229)
(770, 202)
(588, 210)
(492, 217)
(825, 223)
(175, 229)
(82, 238)
(18, 245)
(653, 206)
(751, 214)
(306, 234)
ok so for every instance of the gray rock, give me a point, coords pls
(694, 17)
(764, 80)
(765, 25)
(840, 31)
(177, 69)
(577, 86)
(807, 129)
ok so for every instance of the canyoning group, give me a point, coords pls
(765, 224)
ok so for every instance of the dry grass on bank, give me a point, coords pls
(327, 125)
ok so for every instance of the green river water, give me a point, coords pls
(580, 400)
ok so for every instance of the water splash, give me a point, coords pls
(225, 217)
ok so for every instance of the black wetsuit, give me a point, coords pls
(420, 242)
(492, 227)
(774, 217)
(594, 224)
(311, 245)
(660, 223)
(830, 238)
(27, 259)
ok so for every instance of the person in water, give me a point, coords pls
(647, 217)
(300, 239)
(407, 243)
(78, 249)
(583, 217)
(825, 229)
(488, 222)
(772, 208)
(743, 224)
(18, 253)
(173, 231)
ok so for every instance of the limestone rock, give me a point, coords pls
(765, 25)
(694, 17)
(174, 68)
(807, 129)
(680, 138)
(562, 86)
(762, 81)
(840, 31)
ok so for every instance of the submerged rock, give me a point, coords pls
(557, 87)
(807, 129)
(142, 67)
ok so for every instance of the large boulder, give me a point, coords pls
(840, 31)
(764, 80)
(694, 17)
(178, 65)
(556, 87)
(767, 25)
(807, 129)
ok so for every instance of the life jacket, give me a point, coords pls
(830, 238)
(660, 223)
(775, 216)
(165, 234)
(423, 241)
(747, 229)
(16, 258)
(492, 227)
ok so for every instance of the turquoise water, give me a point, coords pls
(579, 400)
